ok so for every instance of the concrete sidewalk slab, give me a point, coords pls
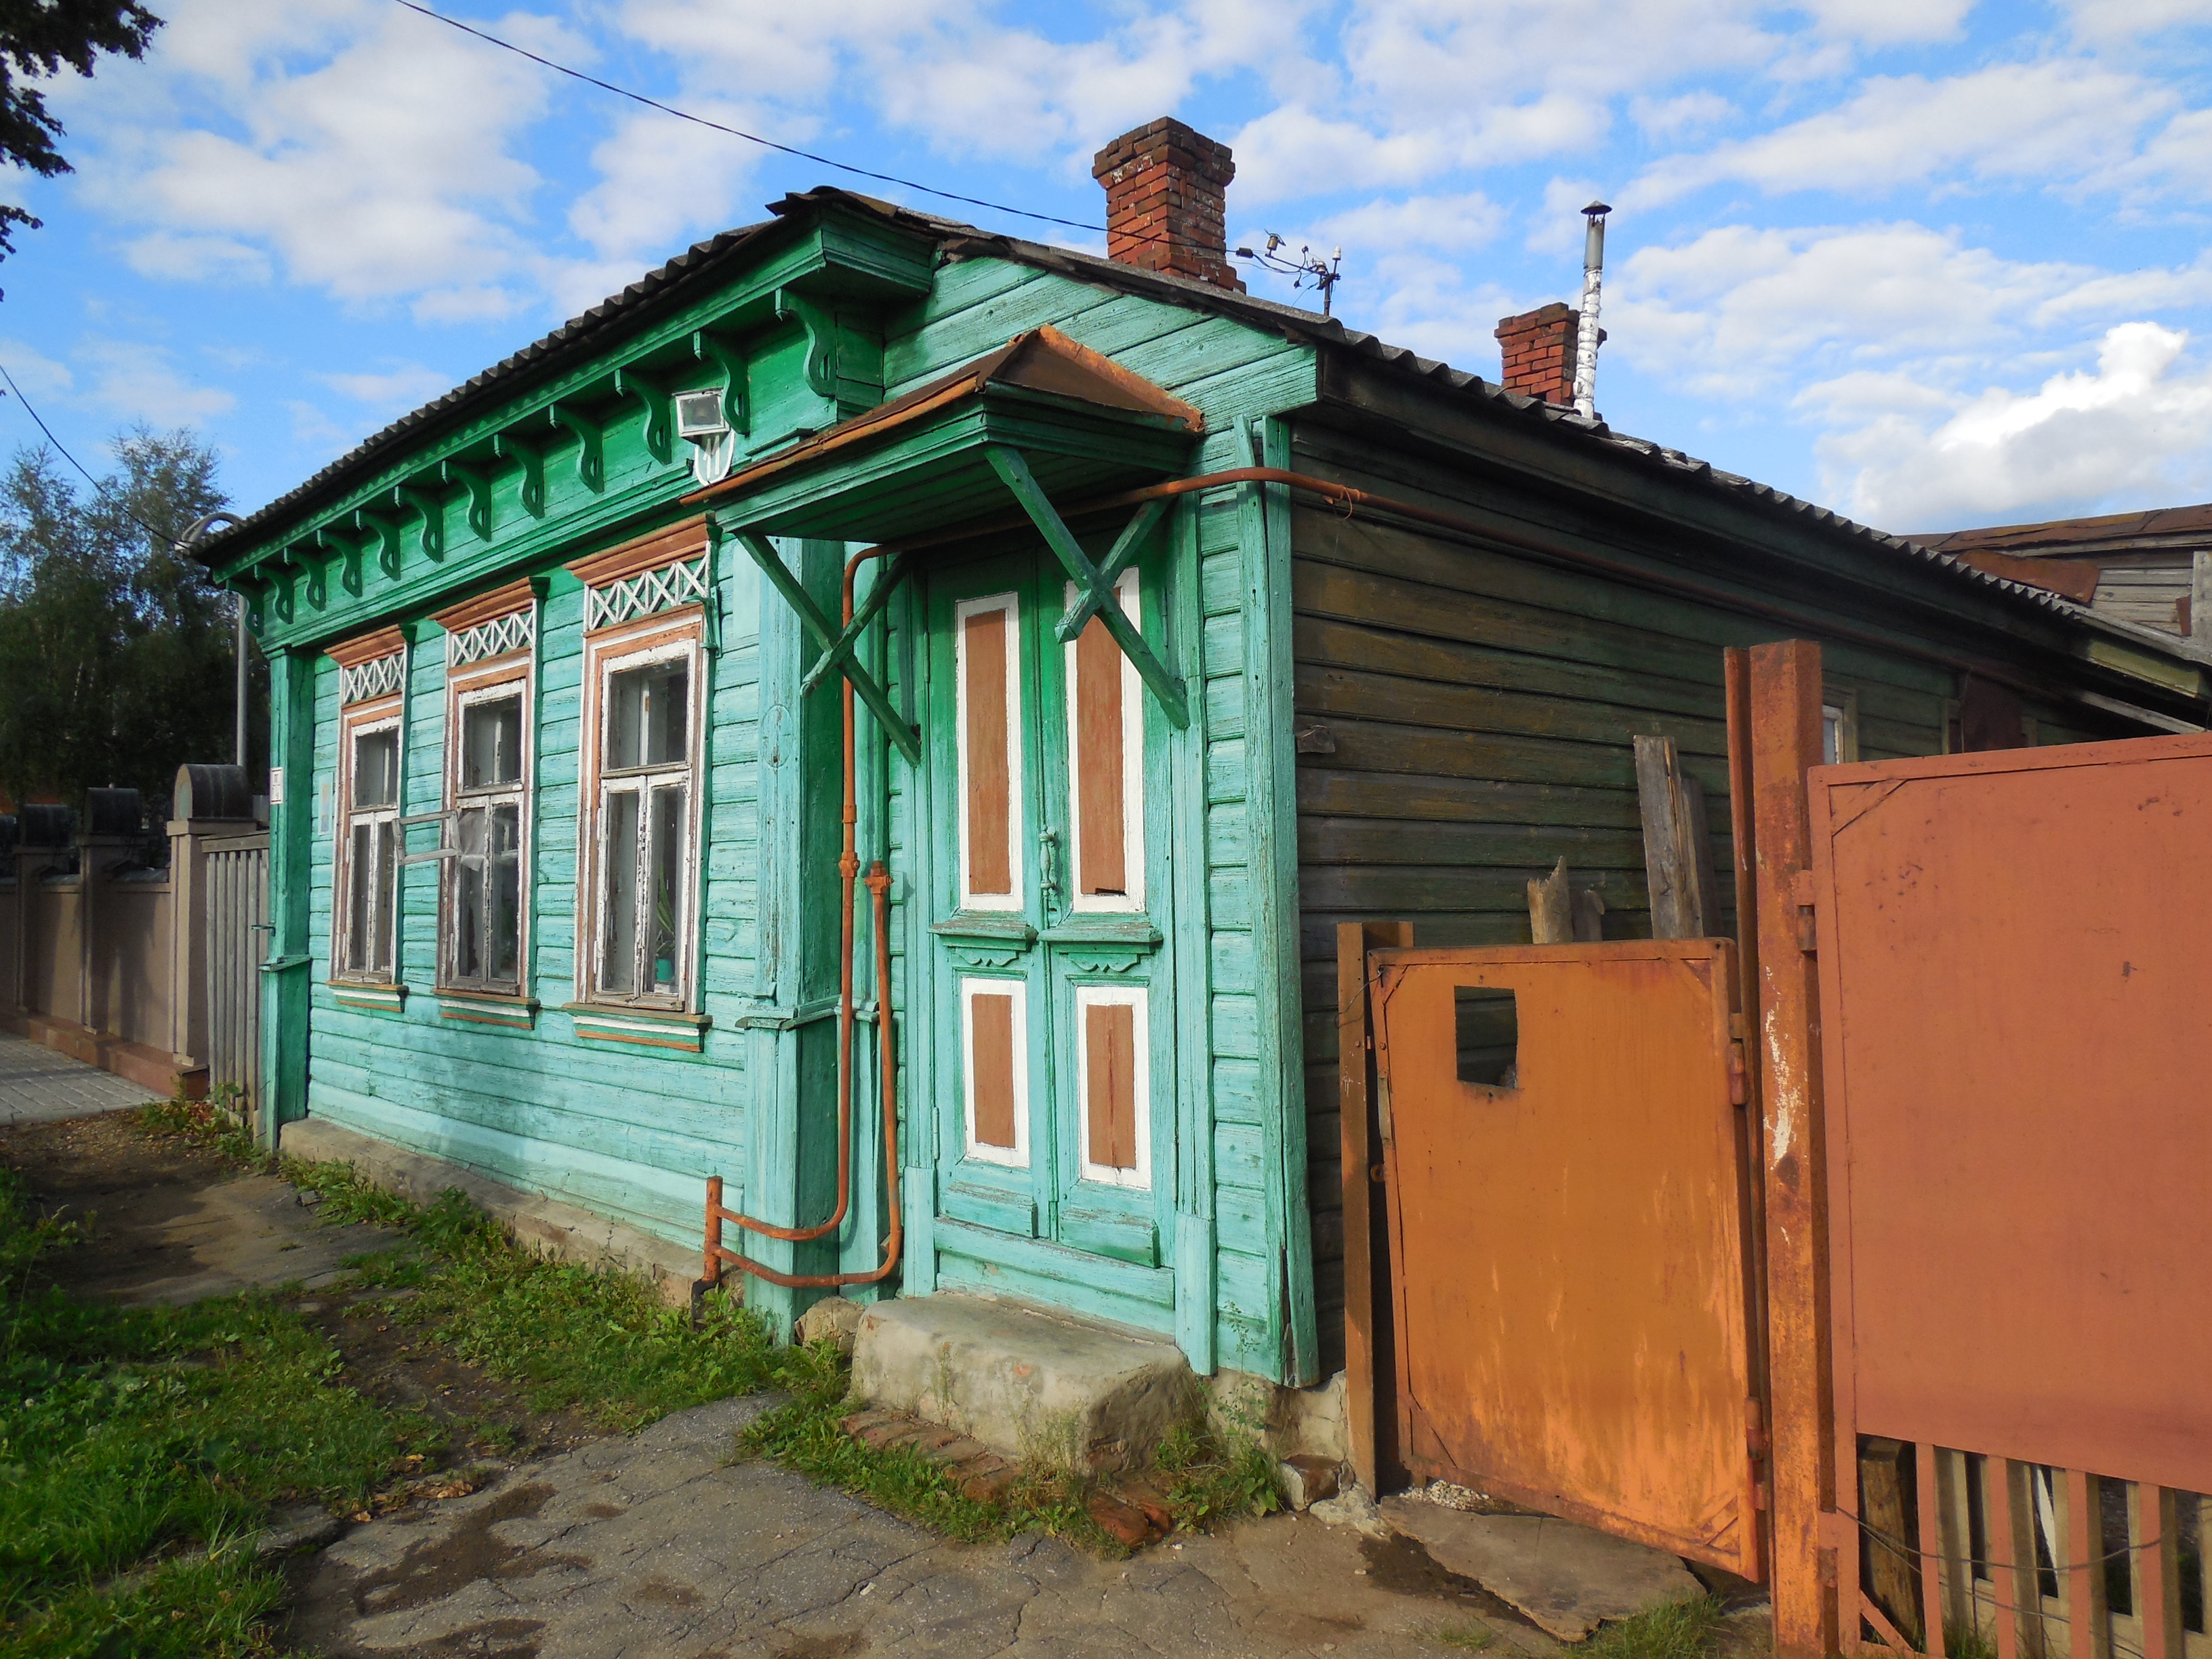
(1567, 1578)
(38, 1084)
(663, 1544)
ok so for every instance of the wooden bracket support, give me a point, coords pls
(1014, 470)
(648, 390)
(477, 482)
(506, 446)
(432, 510)
(903, 735)
(591, 444)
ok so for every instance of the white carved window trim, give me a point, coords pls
(654, 640)
(494, 636)
(380, 676)
(647, 594)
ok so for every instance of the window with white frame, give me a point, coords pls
(368, 860)
(486, 806)
(644, 711)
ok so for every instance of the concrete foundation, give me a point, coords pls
(1027, 1383)
(561, 1230)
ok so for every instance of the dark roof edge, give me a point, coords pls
(667, 284)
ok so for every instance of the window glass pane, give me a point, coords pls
(491, 743)
(376, 768)
(361, 860)
(618, 957)
(468, 895)
(667, 867)
(503, 927)
(387, 871)
(647, 715)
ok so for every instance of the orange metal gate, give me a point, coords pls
(2016, 1045)
(1564, 1156)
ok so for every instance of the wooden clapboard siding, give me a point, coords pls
(628, 1133)
(1467, 715)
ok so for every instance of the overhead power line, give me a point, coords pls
(161, 538)
(754, 137)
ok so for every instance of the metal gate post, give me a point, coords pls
(1785, 740)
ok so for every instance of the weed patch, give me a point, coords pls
(1463, 1635)
(1201, 1482)
(1681, 1629)
(571, 1335)
(137, 1444)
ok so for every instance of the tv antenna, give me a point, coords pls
(1308, 267)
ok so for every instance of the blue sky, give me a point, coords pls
(1931, 261)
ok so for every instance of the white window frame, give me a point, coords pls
(1137, 997)
(383, 715)
(663, 638)
(492, 681)
(1017, 1155)
(962, 611)
(1132, 771)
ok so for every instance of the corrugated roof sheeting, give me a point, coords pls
(963, 241)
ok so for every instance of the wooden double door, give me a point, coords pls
(1050, 916)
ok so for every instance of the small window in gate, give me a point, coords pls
(1487, 1025)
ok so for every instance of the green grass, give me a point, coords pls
(1205, 1483)
(1681, 1629)
(568, 1335)
(1466, 1634)
(137, 1445)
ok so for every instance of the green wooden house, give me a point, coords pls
(561, 893)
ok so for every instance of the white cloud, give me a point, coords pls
(197, 259)
(1741, 312)
(662, 180)
(2052, 121)
(2139, 424)
(381, 166)
(1888, 22)
(1675, 117)
(37, 375)
(134, 381)
(405, 386)
(2114, 20)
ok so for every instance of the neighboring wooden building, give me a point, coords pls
(2153, 570)
(556, 836)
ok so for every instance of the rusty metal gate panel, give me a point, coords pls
(237, 942)
(1568, 1248)
(2016, 1047)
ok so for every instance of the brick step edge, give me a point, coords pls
(1133, 1516)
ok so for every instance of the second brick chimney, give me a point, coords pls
(1539, 348)
(1165, 185)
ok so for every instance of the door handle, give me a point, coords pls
(1048, 862)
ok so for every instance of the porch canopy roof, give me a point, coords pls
(922, 462)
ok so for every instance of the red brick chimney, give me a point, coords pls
(1539, 347)
(1165, 184)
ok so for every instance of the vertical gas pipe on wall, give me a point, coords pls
(1588, 336)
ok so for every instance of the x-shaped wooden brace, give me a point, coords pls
(1096, 596)
(838, 648)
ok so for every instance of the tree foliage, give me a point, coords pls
(38, 40)
(116, 658)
